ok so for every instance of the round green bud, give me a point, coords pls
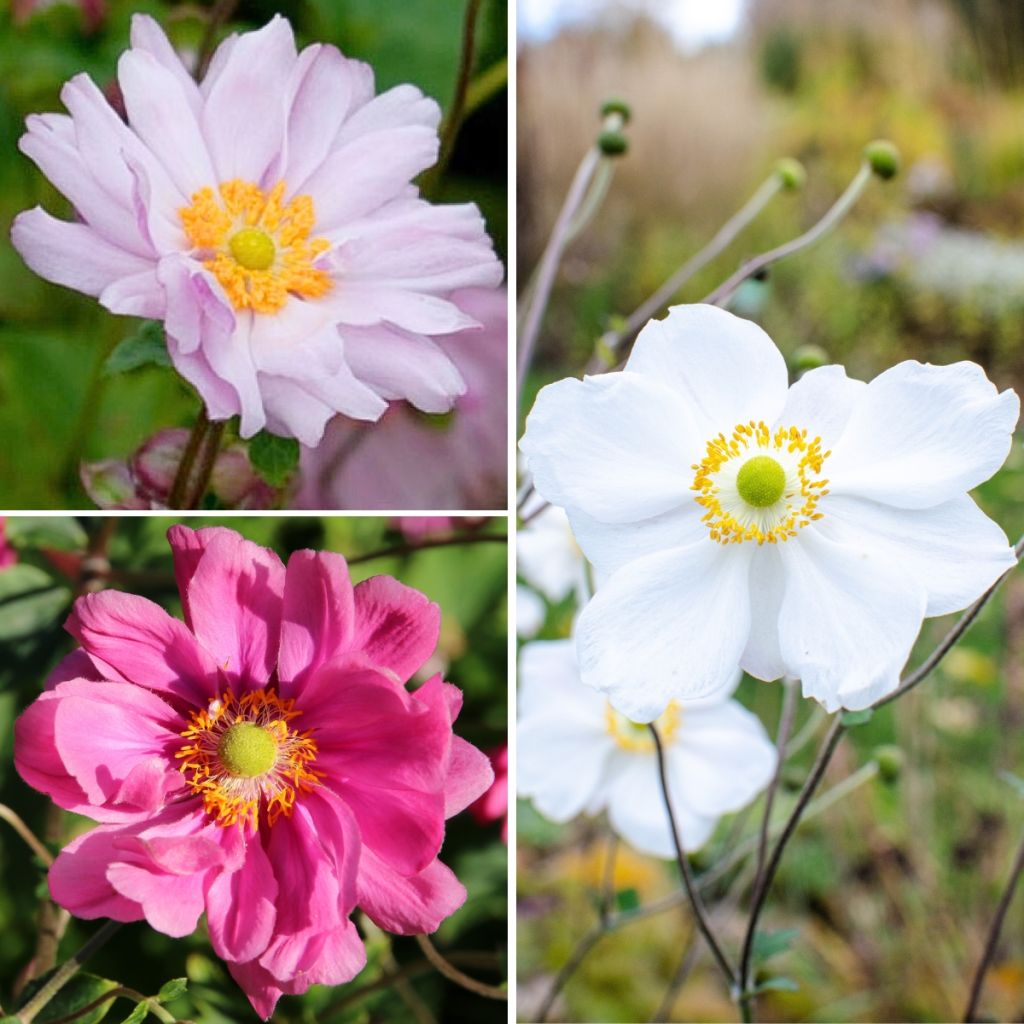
(761, 481)
(617, 106)
(890, 762)
(809, 357)
(247, 750)
(883, 157)
(791, 173)
(612, 143)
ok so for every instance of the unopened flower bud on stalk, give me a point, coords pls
(617, 106)
(889, 759)
(809, 357)
(791, 173)
(883, 157)
(612, 143)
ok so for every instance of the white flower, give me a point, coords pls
(530, 611)
(578, 754)
(805, 531)
(547, 555)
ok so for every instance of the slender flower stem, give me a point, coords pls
(221, 13)
(1016, 872)
(65, 972)
(842, 206)
(682, 972)
(432, 542)
(568, 969)
(457, 113)
(152, 1006)
(193, 476)
(832, 738)
(452, 973)
(725, 236)
(608, 886)
(700, 916)
(15, 821)
(548, 267)
(782, 738)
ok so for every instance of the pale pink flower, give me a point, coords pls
(93, 11)
(493, 805)
(267, 216)
(261, 761)
(408, 460)
(8, 555)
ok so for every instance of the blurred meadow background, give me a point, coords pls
(59, 401)
(893, 886)
(468, 581)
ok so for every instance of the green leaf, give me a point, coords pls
(146, 347)
(777, 984)
(62, 532)
(81, 990)
(29, 601)
(852, 718)
(138, 1014)
(769, 944)
(173, 989)
(627, 899)
(274, 458)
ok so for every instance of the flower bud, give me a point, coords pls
(809, 357)
(883, 157)
(616, 106)
(889, 759)
(612, 143)
(110, 484)
(791, 173)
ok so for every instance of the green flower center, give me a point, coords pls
(253, 249)
(247, 750)
(761, 481)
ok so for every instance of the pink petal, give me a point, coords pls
(408, 905)
(318, 617)
(240, 906)
(138, 295)
(396, 627)
(399, 107)
(147, 35)
(79, 665)
(470, 775)
(143, 643)
(78, 878)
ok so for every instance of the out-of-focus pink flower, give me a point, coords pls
(93, 11)
(408, 460)
(416, 529)
(262, 761)
(145, 480)
(493, 805)
(8, 555)
(267, 216)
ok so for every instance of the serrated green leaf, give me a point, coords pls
(172, 989)
(138, 1014)
(777, 984)
(627, 899)
(29, 601)
(146, 347)
(81, 990)
(274, 458)
(62, 532)
(852, 718)
(768, 944)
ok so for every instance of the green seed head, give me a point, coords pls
(252, 248)
(247, 750)
(612, 143)
(761, 481)
(791, 173)
(617, 106)
(883, 157)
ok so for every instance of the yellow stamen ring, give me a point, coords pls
(243, 757)
(635, 736)
(759, 484)
(258, 249)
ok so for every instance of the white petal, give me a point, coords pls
(618, 447)
(762, 657)
(726, 369)
(530, 612)
(821, 403)
(923, 434)
(953, 550)
(548, 557)
(721, 759)
(668, 626)
(636, 808)
(848, 620)
(549, 683)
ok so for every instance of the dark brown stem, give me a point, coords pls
(433, 542)
(696, 903)
(221, 13)
(452, 973)
(193, 476)
(993, 935)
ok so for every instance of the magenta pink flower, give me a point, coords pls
(261, 761)
(493, 805)
(8, 555)
(267, 216)
(408, 460)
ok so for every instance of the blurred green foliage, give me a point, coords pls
(57, 406)
(468, 581)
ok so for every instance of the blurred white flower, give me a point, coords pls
(547, 555)
(803, 531)
(530, 611)
(577, 754)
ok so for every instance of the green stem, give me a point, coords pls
(842, 206)
(435, 542)
(15, 821)
(197, 461)
(221, 12)
(453, 974)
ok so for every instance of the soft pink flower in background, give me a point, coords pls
(93, 11)
(262, 761)
(408, 460)
(416, 529)
(267, 216)
(8, 555)
(493, 805)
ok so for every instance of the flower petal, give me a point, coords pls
(821, 403)
(923, 434)
(78, 878)
(408, 904)
(240, 906)
(762, 657)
